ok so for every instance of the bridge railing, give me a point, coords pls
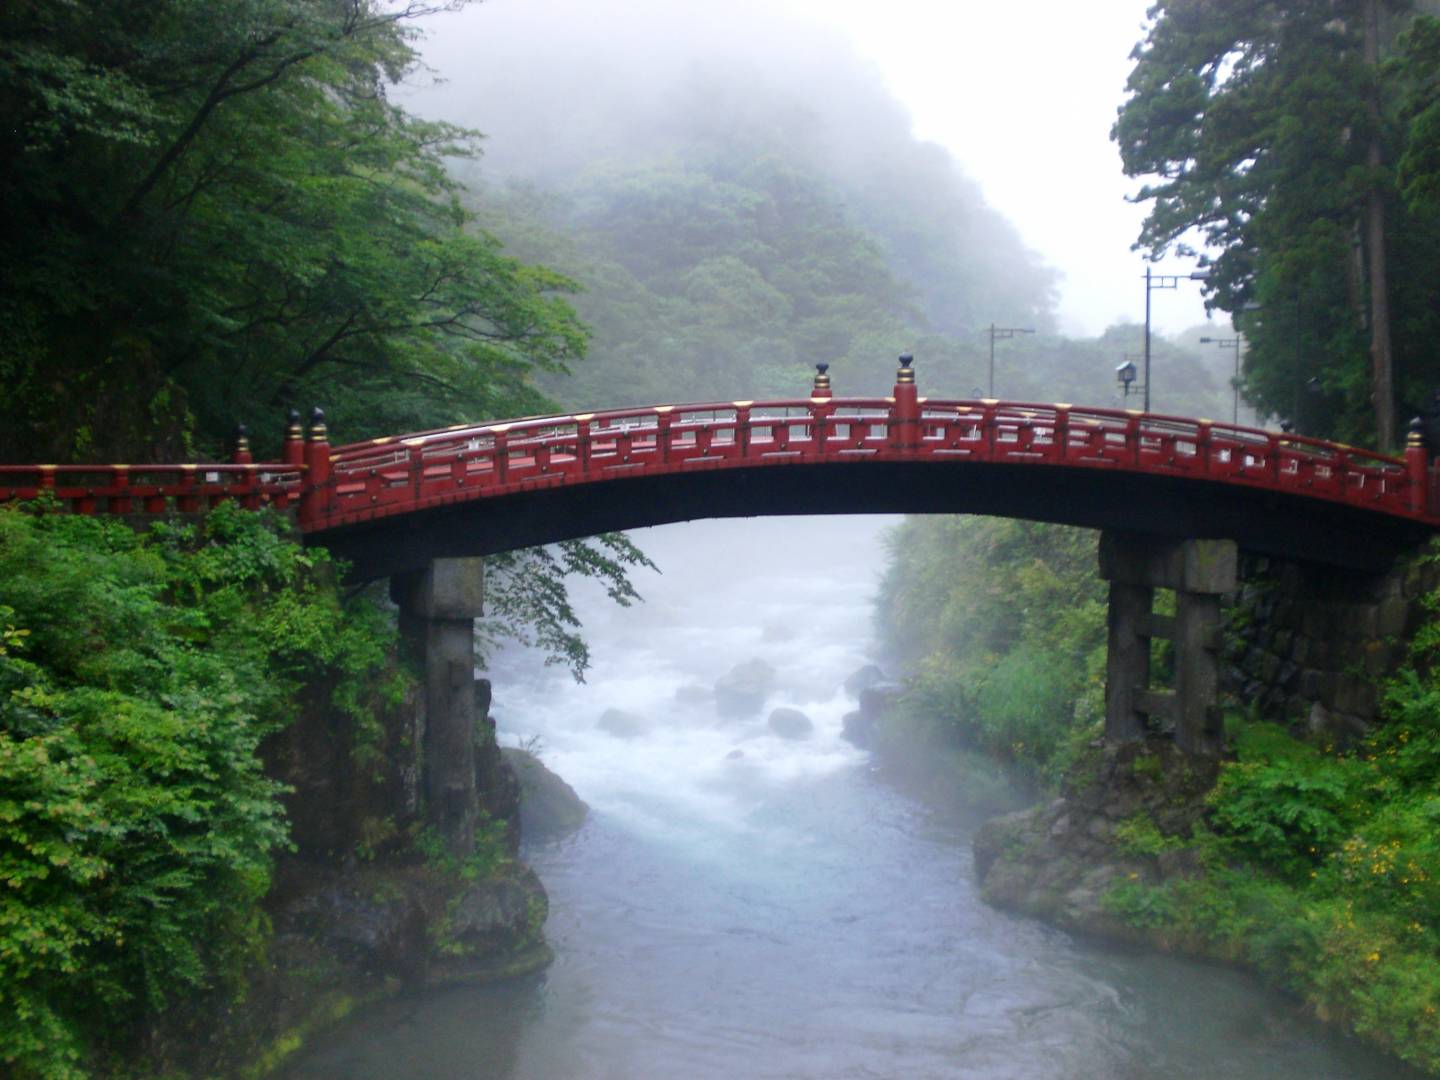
(333, 487)
(152, 489)
(430, 469)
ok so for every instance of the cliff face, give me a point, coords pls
(365, 906)
(1058, 860)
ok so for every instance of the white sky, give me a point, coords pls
(1024, 95)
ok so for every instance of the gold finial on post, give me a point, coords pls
(240, 451)
(821, 389)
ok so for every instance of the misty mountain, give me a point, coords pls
(740, 197)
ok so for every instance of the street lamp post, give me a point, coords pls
(1001, 333)
(1230, 343)
(1155, 281)
(1125, 376)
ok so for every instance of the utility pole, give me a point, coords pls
(1381, 364)
(1001, 333)
(1230, 343)
(1155, 281)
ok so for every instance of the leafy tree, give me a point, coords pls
(1001, 624)
(1267, 131)
(211, 213)
(138, 676)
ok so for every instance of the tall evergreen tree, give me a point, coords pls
(1266, 131)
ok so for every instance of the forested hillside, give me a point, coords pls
(734, 216)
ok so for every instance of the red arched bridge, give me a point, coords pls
(393, 504)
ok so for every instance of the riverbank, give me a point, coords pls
(1306, 853)
(743, 903)
(214, 839)
(1126, 853)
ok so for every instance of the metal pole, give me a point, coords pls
(1147, 339)
(1235, 383)
(991, 394)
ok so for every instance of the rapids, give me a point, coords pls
(782, 912)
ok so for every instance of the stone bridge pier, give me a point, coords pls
(1199, 572)
(438, 609)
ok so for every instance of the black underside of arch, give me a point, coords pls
(1265, 522)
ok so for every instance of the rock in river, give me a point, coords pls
(790, 724)
(622, 724)
(742, 690)
(549, 807)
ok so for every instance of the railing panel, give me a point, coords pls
(395, 475)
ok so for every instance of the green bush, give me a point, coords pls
(1001, 624)
(138, 676)
(1283, 802)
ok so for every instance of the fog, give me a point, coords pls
(1020, 97)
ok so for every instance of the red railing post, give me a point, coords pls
(822, 407)
(583, 431)
(1417, 464)
(240, 451)
(905, 410)
(1062, 432)
(316, 480)
(662, 432)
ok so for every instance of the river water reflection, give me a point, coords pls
(781, 912)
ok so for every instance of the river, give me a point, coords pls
(782, 912)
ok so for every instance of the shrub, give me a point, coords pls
(138, 676)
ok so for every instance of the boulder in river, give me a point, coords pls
(549, 807)
(622, 724)
(743, 689)
(790, 723)
(863, 679)
(693, 694)
(877, 702)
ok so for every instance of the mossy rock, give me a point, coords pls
(549, 808)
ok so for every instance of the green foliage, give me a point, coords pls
(489, 856)
(1140, 904)
(1321, 868)
(209, 218)
(527, 595)
(1283, 802)
(138, 676)
(1138, 835)
(1262, 130)
(1002, 625)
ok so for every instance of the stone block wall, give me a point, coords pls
(1309, 646)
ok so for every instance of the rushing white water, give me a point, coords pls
(779, 912)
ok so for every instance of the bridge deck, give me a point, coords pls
(485, 487)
